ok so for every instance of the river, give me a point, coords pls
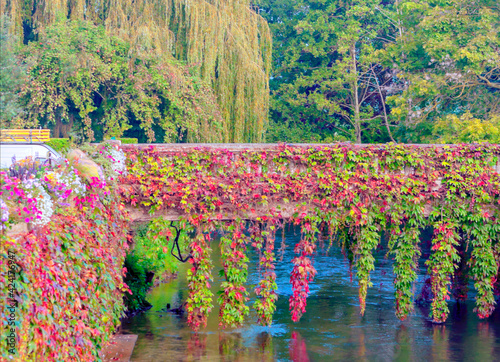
(331, 329)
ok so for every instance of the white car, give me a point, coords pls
(19, 150)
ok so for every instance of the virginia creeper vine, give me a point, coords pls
(357, 191)
(233, 295)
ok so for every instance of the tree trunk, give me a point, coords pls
(66, 128)
(382, 101)
(57, 128)
(355, 95)
(61, 129)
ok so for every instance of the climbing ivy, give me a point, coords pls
(266, 289)
(233, 295)
(351, 193)
(303, 271)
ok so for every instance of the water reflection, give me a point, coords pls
(332, 328)
(298, 348)
(402, 347)
(265, 345)
(440, 346)
(196, 347)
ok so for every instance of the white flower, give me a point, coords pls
(119, 158)
(72, 181)
(44, 203)
(45, 206)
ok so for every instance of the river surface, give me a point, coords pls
(331, 329)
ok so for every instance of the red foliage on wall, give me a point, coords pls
(361, 189)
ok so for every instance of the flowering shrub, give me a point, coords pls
(40, 190)
(44, 204)
(68, 285)
(119, 161)
(108, 153)
(24, 169)
(4, 214)
(62, 184)
(14, 197)
(357, 192)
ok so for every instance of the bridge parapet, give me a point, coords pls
(171, 149)
(264, 163)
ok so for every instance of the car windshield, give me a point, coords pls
(21, 151)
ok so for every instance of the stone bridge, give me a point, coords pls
(258, 177)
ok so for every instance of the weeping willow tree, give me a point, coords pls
(226, 39)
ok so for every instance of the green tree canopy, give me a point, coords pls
(447, 60)
(82, 79)
(226, 43)
(373, 71)
(326, 73)
(12, 73)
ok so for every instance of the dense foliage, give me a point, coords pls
(153, 245)
(65, 297)
(374, 71)
(84, 83)
(11, 73)
(108, 66)
(152, 259)
(352, 193)
(368, 71)
(137, 281)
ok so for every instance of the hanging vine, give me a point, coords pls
(404, 245)
(303, 271)
(483, 266)
(263, 241)
(199, 276)
(368, 239)
(357, 191)
(442, 264)
(233, 296)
